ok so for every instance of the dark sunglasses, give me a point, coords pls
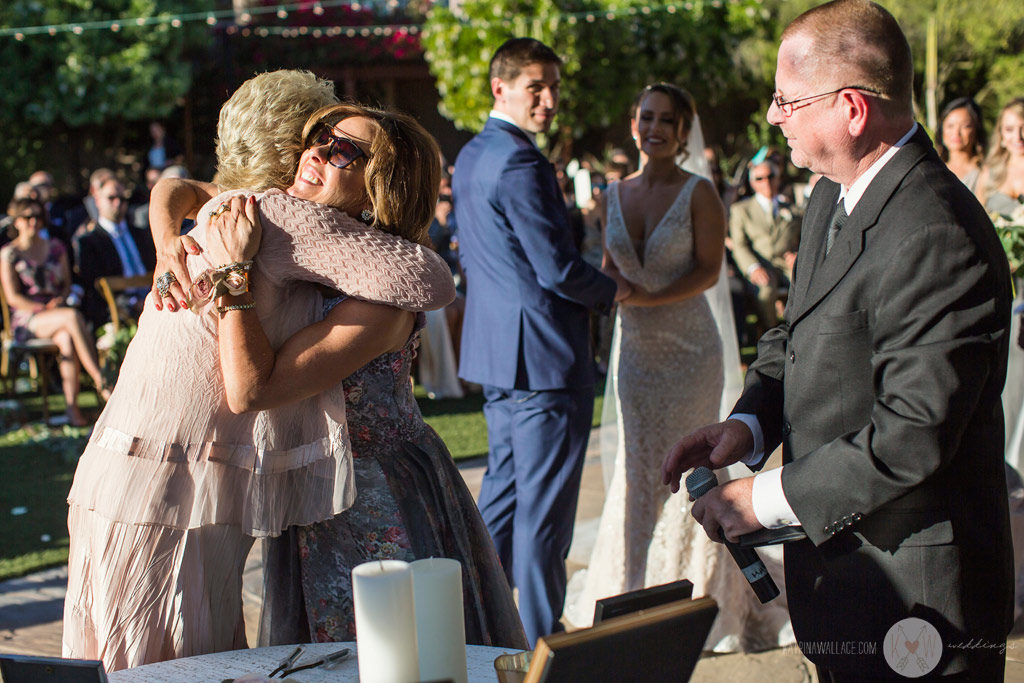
(342, 152)
(764, 177)
(30, 216)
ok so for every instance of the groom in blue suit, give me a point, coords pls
(525, 336)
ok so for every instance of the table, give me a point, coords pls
(221, 665)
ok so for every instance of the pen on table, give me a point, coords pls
(327, 661)
(286, 662)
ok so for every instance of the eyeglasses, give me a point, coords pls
(342, 152)
(30, 216)
(786, 106)
(763, 177)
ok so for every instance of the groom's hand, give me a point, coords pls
(714, 446)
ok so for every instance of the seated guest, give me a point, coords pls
(960, 140)
(765, 234)
(108, 246)
(36, 280)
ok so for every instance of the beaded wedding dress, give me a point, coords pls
(667, 375)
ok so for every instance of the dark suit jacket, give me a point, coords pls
(883, 386)
(528, 291)
(96, 257)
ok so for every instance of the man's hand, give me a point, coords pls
(727, 510)
(759, 276)
(714, 446)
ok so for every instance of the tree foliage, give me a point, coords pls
(611, 49)
(96, 76)
(66, 85)
(980, 44)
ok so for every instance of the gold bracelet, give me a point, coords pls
(236, 307)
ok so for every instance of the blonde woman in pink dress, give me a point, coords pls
(174, 485)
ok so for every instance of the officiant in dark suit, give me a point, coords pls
(882, 383)
(108, 246)
(525, 336)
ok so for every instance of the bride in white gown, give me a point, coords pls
(665, 232)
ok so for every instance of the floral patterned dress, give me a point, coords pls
(40, 282)
(411, 503)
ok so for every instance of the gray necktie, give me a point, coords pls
(835, 225)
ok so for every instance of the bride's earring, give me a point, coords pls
(366, 216)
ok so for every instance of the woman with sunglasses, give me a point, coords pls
(411, 501)
(173, 486)
(36, 279)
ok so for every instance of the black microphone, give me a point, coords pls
(699, 482)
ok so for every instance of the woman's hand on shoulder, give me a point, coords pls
(235, 231)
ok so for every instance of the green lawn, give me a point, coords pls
(37, 464)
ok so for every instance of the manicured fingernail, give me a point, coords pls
(184, 304)
(171, 307)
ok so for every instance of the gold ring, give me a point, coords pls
(219, 210)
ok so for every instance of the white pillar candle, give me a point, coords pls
(385, 622)
(440, 624)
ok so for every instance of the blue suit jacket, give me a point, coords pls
(527, 289)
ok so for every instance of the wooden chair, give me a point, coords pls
(113, 285)
(34, 351)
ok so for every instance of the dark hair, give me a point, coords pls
(17, 206)
(683, 107)
(403, 172)
(516, 53)
(974, 111)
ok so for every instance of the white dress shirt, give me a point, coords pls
(495, 114)
(127, 250)
(768, 499)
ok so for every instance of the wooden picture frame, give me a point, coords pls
(645, 598)
(28, 669)
(657, 645)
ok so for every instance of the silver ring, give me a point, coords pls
(164, 282)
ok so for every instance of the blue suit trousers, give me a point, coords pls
(537, 444)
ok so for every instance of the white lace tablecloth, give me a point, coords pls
(226, 665)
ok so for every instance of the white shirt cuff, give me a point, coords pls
(757, 455)
(769, 501)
